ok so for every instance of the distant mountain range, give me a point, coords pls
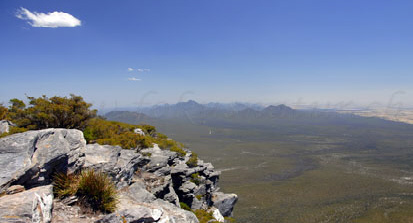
(239, 114)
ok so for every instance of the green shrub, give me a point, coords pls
(54, 112)
(106, 132)
(178, 150)
(97, 190)
(195, 178)
(204, 216)
(165, 143)
(193, 160)
(148, 129)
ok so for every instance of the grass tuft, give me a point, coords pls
(95, 189)
(65, 184)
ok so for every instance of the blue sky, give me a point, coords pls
(318, 51)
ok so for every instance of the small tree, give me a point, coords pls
(55, 112)
(17, 113)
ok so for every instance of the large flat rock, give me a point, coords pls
(31, 157)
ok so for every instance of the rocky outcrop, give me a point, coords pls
(151, 183)
(5, 126)
(30, 158)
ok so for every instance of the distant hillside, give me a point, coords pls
(129, 117)
(216, 114)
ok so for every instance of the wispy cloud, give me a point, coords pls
(51, 19)
(139, 69)
(134, 79)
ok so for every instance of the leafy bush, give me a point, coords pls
(54, 112)
(193, 160)
(95, 189)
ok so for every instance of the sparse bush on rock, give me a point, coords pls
(193, 160)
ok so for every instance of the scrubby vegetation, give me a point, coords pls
(202, 215)
(74, 113)
(106, 132)
(55, 112)
(195, 178)
(94, 189)
(3, 112)
(193, 160)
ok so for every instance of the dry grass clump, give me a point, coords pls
(94, 189)
(65, 185)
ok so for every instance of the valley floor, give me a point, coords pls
(307, 178)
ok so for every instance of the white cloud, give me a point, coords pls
(51, 19)
(134, 79)
(130, 69)
(143, 70)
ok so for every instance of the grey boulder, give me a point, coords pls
(224, 202)
(34, 205)
(30, 158)
(119, 163)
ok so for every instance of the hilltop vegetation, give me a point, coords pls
(74, 113)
